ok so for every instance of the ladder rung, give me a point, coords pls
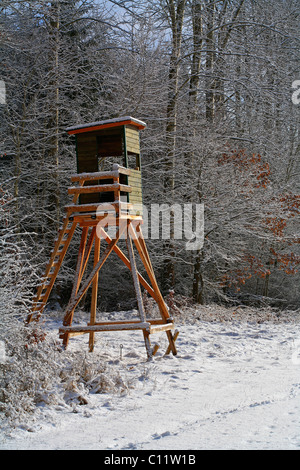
(45, 281)
(38, 304)
(54, 268)
(59, 242)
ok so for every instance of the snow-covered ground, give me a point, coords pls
(235, 384)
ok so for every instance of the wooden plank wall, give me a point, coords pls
(132, 140)
(135, 197)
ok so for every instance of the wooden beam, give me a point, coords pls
(138, 293)
(142, 249)
(94, 294)
(78, 276)
(80, 262)
(101, 188)
(97, 175)
(122, 169)
(126, 261)
(154, 321)
(175, 336)
(159, 328)
(98, 207)
(88, 249)
(106, 327)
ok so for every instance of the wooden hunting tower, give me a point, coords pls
(101, 144)
(108, 193)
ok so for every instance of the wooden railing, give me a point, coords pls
(116, 189)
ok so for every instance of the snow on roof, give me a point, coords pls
(92, 126)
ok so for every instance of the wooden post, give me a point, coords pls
(138, 294)
(78, 276)
(94, 293)
(142, 249)
(88, 250)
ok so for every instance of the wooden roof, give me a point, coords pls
(116, 122)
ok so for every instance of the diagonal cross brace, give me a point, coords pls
(75, 301)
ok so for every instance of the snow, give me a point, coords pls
(235, 384)
(107, 121)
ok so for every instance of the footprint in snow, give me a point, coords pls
(159, 436)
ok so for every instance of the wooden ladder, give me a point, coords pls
(62, 243)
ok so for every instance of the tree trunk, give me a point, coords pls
(209, 62)
(193, 166)
(176, 16)
(54, 107)
(198, 282)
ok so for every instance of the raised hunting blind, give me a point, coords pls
(107, 192)
(99, 145)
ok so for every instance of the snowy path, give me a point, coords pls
(232, 386)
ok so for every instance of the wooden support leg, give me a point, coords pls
(172, 345)
(94, 294)
(143, 252)
(78, 276)
(138, 294)
(175, 336)
(148, 344)
(88, 250)
(80, 262)
(142, 249)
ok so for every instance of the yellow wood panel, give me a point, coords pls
(135, 172)
(135, 180)
(132, 140)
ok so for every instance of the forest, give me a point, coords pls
(216, 82)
